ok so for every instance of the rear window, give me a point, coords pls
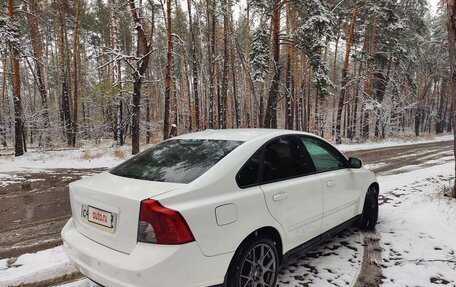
(178, 161)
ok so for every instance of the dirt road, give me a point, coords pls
(399, 159)
(34, 205)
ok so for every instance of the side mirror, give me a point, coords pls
(355, 162)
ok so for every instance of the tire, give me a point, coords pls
(370, 210)
(255, 264)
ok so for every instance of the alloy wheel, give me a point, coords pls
(259, 267)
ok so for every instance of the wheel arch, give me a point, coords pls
(263, 232)
(376, 186)
(267, 232)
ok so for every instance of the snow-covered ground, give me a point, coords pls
(104, 156)
(417, 230)
(35, 267)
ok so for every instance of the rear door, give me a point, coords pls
(293, 193)
(339, 182)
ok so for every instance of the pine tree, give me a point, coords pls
(14, 47)
(451, 6)
(259, 60)
(143, 54)
(36, 40)
(344, 83)
(168, 78)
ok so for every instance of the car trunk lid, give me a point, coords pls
(105, 207)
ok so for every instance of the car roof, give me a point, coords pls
(237, 134)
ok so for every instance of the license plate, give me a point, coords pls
(98, 216)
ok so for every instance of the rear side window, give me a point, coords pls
(285, 158)
(250, 172)
(178, 161)
(323, 156)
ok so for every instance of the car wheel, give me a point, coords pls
(255, 264)
(370, 210)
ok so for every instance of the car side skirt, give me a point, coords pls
(309, 245)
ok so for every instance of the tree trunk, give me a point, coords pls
(210, 52)
(370, 48)
(288, 95)
(117, 72)
(168, 77)
(35, 37)
(18, 126)
(381, 79)
(452, 51)
(234, 74)
(194, 65)
(60, 28)
(75, 74)
(334, 80)
(270, 120)
(4, 108)
(344, 81)
(143, 52)
(441, 115)
(226, 59)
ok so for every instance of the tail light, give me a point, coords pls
(161, 225)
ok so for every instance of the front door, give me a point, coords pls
(293, 194)
(341, 192)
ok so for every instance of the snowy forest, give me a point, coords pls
(141, 71)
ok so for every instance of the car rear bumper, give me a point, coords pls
(146, 265)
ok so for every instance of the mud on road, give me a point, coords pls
(34, 204)
(400, 159)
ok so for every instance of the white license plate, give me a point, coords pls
(98, 216)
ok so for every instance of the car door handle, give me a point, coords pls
(330, 183)
(280, 196)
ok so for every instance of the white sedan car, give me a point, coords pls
(215, 207)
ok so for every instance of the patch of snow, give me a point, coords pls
(335, 263)
(374, 165)
(80, 283)
(34, 267)
(103, 156)
(417, 228)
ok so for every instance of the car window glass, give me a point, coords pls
(323, 158)
(249, 173)
(178, 161)
(284, 158)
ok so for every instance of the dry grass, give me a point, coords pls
(448, 191)
(89, 155)
(120, 154)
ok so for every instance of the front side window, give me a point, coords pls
(285, 158)
(324, 157)
(178, 161)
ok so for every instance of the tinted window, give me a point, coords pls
(249, 173)
(179, 161)
(284, 158)
(323, 156)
